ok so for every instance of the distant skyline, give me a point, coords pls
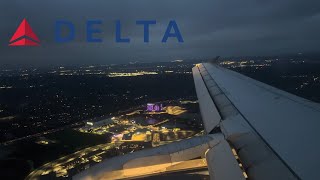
(310, 56)
(209, 28)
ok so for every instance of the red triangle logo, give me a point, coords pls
(24, 36)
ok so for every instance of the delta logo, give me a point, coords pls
(65, 31)
(24, 36)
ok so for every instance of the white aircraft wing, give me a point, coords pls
(274, 133)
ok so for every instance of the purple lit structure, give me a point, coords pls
(154, 107)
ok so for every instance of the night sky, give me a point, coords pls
(209, 28)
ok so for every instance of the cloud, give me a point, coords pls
(209, 28)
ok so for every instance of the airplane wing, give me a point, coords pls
(273, 132)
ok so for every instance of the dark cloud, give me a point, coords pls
(209, 28)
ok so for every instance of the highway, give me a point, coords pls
(41, 133)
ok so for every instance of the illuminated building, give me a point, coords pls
(154, 107)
